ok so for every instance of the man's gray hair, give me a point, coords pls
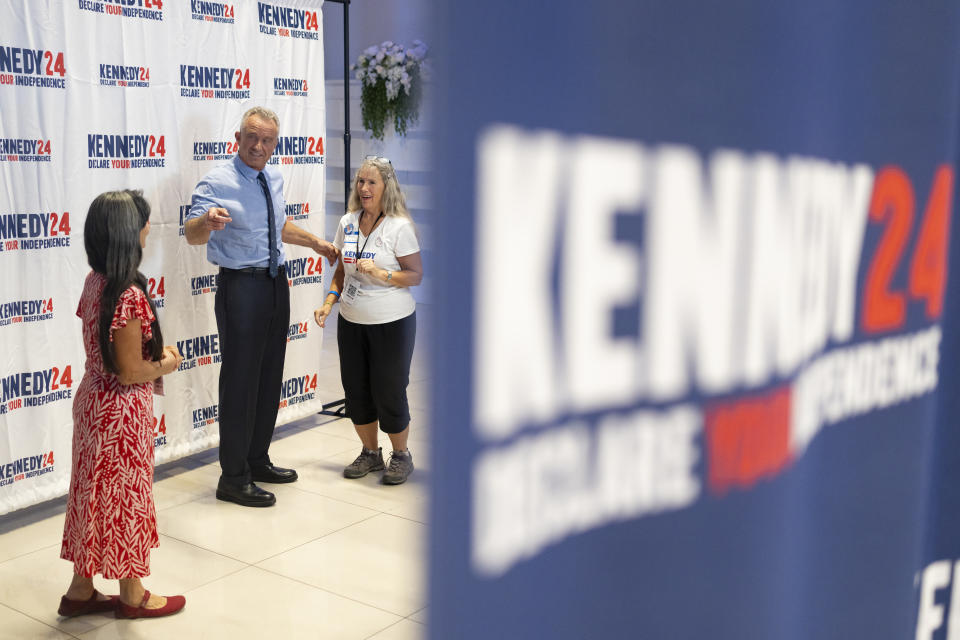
(262, 112)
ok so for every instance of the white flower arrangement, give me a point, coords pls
(390, 77)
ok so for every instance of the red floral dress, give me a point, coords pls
(111, 522)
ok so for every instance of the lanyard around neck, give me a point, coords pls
(371, 232)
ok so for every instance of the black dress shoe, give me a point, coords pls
(276, 475)
(248, 495)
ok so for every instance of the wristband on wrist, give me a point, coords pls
(389, 276)
(336, 293)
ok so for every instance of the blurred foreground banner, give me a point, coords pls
(696, 324)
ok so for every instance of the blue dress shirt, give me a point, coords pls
(245, 241)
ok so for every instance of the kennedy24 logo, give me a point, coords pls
(893, 204)
(160, 426)
(54, 65)
(160, 430)
(156, 287)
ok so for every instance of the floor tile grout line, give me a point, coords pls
(256, 564)
(339, 595)
(408, 519)
(297, 546)
(174, 506)
(213, 551)
(26, 553)
(223, 577)
(46, 624)
(375, 513)
(410, 617)
(283, 575)
(352, 504)
(390, 626)
(23, 555)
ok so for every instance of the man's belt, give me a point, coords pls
(281, 270)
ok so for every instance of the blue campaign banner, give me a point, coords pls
(695, 327)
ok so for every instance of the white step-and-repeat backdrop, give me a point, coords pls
(98, 95)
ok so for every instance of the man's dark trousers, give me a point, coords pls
(253, 318)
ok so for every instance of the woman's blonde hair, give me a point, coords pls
(394, 203)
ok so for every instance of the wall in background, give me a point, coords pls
(371, 22)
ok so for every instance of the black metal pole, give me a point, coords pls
(346, 103)
(338, 407)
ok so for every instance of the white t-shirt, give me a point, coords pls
(376, 301)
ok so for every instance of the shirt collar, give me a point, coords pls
(247, 172)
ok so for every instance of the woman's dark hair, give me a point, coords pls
(111, 236)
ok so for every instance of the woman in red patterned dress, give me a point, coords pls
(111, 522)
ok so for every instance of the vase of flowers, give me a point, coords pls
(391, 78)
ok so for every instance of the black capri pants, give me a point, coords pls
(375, 370)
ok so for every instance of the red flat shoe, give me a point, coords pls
(70, 608)
(174, 604)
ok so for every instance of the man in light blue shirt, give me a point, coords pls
(238, 212)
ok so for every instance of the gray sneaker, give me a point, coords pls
(366, 462)
(401, 466)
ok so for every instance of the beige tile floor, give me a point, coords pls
(334, 558)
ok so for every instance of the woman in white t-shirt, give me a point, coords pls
(380, 260)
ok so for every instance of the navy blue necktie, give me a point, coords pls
(272, 233)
